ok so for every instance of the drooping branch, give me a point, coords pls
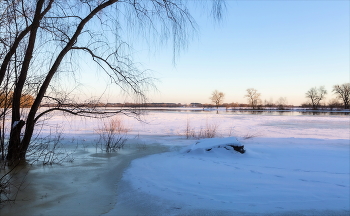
(79, 112)
(32, 113)
(62, 54)
(133, 81)
(17, 41)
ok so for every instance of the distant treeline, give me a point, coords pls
(198, 105)
(169, 105)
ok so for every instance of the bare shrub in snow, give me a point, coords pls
(113, 135)
(249, 135)
(189, 131)
(210, 130)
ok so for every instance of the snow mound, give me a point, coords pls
(212, 144)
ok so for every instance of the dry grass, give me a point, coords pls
(249, 135)
(210, 130)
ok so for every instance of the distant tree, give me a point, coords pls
(253, 97)
(217, 98)
(281, 103)
(343, 93)
(316, 95)
(334, 103)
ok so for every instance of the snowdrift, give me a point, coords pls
(216, 144)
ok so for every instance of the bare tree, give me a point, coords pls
(217, 98)
(253, 97)
(316, 95)
(343, 93)
(41, 41)
(281, 103)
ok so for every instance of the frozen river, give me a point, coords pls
(293, 165)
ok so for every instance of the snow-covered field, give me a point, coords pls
(293, 165)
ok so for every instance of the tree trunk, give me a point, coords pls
(14, 151)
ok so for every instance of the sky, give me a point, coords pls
(280, 48)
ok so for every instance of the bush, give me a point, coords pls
(113, 135)
(208, 131)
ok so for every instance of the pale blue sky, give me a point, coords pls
(280, 48)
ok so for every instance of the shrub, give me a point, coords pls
(208, 131)
(112, 135)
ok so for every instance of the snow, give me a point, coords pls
(15, 123)
(215, 144)
(293, 165)
(305, 174)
